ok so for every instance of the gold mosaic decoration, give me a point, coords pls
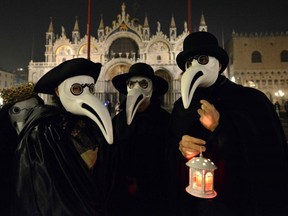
(17, 93)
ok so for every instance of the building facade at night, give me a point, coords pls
(117, 47)
(7, 79)
(259, 61)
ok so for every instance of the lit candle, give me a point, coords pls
(198, 179)
(201, 174)
(209, 181)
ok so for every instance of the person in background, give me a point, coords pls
(139, 131)
(18, 104)
(117, 107)
(236, 127)
(108, 104)
(57, 164)
(277, 107)
(286, 108)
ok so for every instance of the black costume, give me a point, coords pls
(8, 144)
(50, 177)
(248, 147)
(18, 101)
(138, 185)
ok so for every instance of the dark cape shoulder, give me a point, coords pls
(249, 147)
(49, 175)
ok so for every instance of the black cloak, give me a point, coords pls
(8, 144)
(49, 175)
(248, 147)
(138, 186)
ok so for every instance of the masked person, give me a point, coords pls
(56, 162)
(18, 103)
(234, 126)
(139, 130)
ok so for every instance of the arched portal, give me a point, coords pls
(124, 48)
(165, 99)
(111, 93)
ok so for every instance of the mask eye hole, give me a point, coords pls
(91, 88)
(142, 83)
(130, 84)
(15, 110)
(201, 59)
(76, 89)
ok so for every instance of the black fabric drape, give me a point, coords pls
(248, 147)
(139, 174)
(49, 176)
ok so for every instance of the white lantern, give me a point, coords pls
(201, 177)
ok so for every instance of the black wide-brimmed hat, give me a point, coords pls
(160, 85)
(198, 43)
(75, 67)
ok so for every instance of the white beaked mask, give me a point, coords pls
(201, 71)
(20, 111)
(76, 95)
(139, 91)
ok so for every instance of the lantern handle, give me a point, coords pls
(201, 155)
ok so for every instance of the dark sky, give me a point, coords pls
(24, 23)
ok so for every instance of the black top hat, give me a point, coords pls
(198, 43)
(141, 69)
(74, 67)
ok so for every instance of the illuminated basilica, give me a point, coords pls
(256, 60)
(117, 47)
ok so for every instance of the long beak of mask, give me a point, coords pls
(198, 76)
(135, 98)
(93, 108)
(86, 104)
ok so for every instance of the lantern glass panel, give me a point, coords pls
(197, 180)
(208, 181)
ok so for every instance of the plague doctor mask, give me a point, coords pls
(76, 95)
(139, 92)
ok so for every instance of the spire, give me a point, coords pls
(101, 29)
(146, 29)
(76, 25)
(202, 25)
(173, 31)
(101, 25)
(50, 38)
(123, 6)
(202, 20)
(50, 29)
(146, 21)
(76, 32)
(172, 24)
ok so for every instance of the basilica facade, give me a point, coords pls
(256, 60)
(117, 47)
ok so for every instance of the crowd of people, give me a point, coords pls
(73, 158)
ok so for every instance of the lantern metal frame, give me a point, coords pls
(201, 177)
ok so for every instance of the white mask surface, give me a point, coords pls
(20, 111)
(76, 95)
(198, 75)
(139, 90)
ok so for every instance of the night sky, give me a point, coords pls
(24, 23)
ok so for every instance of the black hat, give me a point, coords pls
(141, 69)
(202, 43)
(75, 67)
